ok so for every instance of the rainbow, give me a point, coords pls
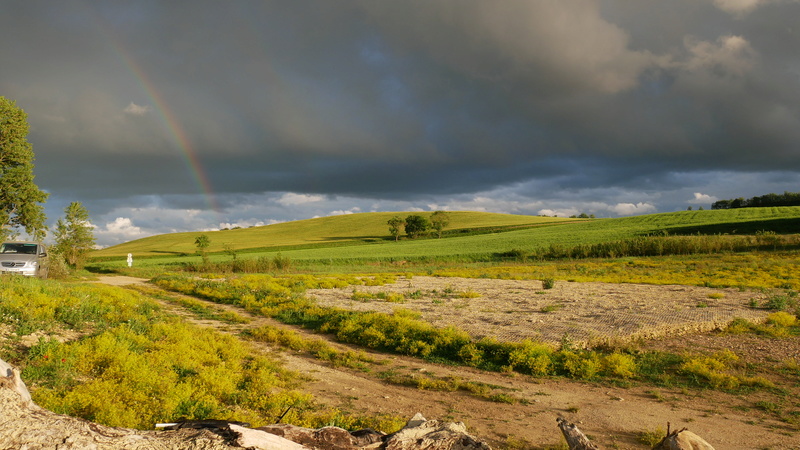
(165, 114)
(176, 131)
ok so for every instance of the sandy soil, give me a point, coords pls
(586, 313)
(611, 415)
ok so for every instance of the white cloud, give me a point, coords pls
(292, 199)
(742, 7)
(702, 199)
(136, 110)
(124, 226)
(119, 230)
(731, 55)
(630, 209)
(436, 207)
(738, 6)
(342, 212)
(245, 224)
(493, 201)
(563, 212)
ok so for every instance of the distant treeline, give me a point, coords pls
(785, 199)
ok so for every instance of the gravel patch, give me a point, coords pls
(588, 314)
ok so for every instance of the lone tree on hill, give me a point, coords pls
(439, 221)
(416, 226)
(202, 242)
(73, 235)
(395, 223)
(20, 198)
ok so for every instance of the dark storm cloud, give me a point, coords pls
(405, 100)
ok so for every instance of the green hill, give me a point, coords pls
(480, 247)
(471, 236)
(324, 231)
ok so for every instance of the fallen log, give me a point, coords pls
(576, 440)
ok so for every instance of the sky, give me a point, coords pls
(198, 115)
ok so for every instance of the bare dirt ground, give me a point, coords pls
(613, 416)
(585, 313)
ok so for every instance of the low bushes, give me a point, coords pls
(133, 377)
(136, 366)
(660, 245)
(318, 348)
(779, 324)
(261, 264)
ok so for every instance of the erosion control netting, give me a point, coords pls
(585, 313)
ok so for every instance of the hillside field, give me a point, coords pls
(471, 236)
(323, 231)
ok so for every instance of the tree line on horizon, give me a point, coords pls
(785, 199)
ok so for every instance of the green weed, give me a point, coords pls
(651, 437)
(551, 308)
(781, 319)
(139, 366)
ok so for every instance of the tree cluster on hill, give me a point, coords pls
(785, 199)
(416, 225)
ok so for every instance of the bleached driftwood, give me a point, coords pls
(682, 439)
(576, 440)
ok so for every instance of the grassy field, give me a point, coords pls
(359, 239)
(323, 231)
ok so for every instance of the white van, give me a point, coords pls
(23, 257)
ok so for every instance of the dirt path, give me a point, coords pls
(116, 280)
(613, 416)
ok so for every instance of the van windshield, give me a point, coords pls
(11, 247)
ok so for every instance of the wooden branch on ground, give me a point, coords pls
(576, 440)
